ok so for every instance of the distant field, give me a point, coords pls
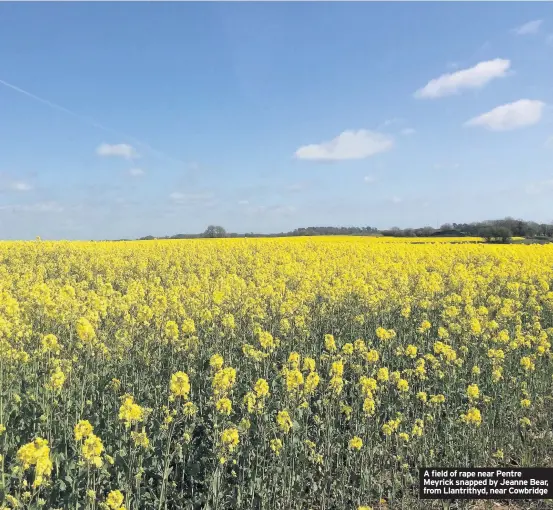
(295, 373)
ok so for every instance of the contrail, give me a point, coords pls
(93, 123)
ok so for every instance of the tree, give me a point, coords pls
(495, 233)
(215, 231)
(503, 233)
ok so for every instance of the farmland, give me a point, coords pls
(273, 374)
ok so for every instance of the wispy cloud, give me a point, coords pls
(297, 186)
(91, 122)
(188, 198)
(369, 179)
(507, 117)
(121, 150)
(136, 172)
(408, 131)
(9, 184)
(532, 27)
(39, 207)
(472, 78)
(348, 145)
(549, 142)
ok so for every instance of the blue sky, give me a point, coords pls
(119, 120)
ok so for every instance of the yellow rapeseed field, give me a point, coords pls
(308, 373)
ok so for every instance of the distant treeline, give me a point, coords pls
(500, 230)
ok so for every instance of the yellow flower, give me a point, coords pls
(403, 385)
(473, 392)
(189, 409)
(336, 385)
(83, 429)
(311, 382)
(92, 449)
(85, 331)
(294, 380)
(383, 374)
(115, 500)
(140, 439)
(525, 402)
(337, 369)
(223, 381)
(130, 412)
(472, 416)
(180, 385)
(250, 399)
(527, 363)
(372, 356)
(347, 349)
(172, 330)
(294, 360)
(411, 351)
(57, 379)
(216, 362)
(309, 365)
(188, 327)
(284, 421)
(437, 399)
(261, 388)
(50, 343)
(230, 439)
(425, 326)
(422, 396)
(369, 406)
(404, 437)
(276, 446)
(355, 443)
(368, 385)
(36, 453)
(330, 343)
(224, 406)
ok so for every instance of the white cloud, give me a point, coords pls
(532, 27)
(359, 144)
(190, 197)
(369, 179)
(20, 186)
(243, 202)
(522, 113)
(298, 186)
(136, 172)
(471, 78)
(121, 150)
(40, 207)
(396, 200)
(391, 122)
(408, 131)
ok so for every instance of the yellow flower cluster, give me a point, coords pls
(294, 359)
